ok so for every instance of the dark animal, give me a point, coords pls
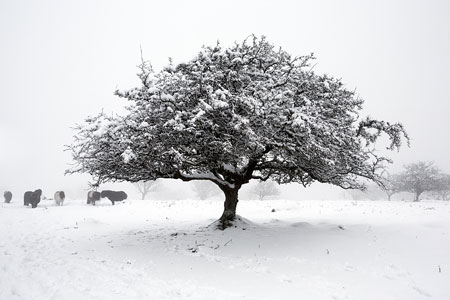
(32, 198)
(59, 197)
(27, 198)
(8, 196)
(92, 197)
(114, 196)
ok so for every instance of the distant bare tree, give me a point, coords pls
(420, 177)
(145, 187)
(205, 189)
(443, 189)
(390, 184)
(266, 189)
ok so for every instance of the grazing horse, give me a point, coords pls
(32, 198)
(92, 197)
(59, 197)
(114, 196)
(8, 196)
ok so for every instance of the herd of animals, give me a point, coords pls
(34, 198)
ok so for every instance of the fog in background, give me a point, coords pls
(61, 61)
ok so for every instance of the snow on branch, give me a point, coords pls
(371, 129)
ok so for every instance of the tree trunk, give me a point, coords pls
(389, 197)
(416, 196)
(229, 212)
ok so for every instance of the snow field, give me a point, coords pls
(166, 250)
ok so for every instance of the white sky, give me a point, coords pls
(62, 60)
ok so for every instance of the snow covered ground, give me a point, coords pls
(164, 250)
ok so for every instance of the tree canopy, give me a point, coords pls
(230, 115)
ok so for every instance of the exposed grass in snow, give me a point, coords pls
(169, 250)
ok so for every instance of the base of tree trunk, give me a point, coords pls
(226, 220)
(238, 223)
(229, 211)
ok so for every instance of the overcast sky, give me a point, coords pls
(61, 61)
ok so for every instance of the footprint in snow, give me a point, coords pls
(350, 268)
(420, 291)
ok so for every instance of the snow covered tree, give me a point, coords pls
(265, 189)
(145, 187)
(205, 189)
(419, 177)
(230, 115)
